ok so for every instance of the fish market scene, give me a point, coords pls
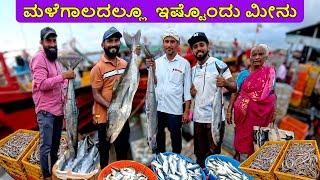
(143, 101)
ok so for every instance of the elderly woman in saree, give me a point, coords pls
(254, 102)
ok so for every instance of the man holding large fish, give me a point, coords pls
(173, 83)
(208, 77)
(48, 91)
(104, 76)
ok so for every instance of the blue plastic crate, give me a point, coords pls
(224, 158)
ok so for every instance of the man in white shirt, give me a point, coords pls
(205, 80)
(173, 83)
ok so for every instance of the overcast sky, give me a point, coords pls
(14, 35)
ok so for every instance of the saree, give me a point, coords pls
(254, 106)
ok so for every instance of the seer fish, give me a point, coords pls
(121, 104)
(71, 111)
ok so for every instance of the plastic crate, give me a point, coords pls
(261, 174)
(299, 128)
(32, 170)
(127, 163)
(286, 176)
(15, 166)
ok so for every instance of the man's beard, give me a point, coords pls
(52, 55)
(112, 54)
(203, 57)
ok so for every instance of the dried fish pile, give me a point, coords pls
(301, 160)
(125, 173)
(266, 157)
(174, 167)
(16, 145)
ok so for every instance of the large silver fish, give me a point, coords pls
(217, 106)
(71, 111)
(121, 105)
(151, 107)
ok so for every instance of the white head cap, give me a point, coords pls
(172, 33)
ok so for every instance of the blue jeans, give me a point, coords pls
(50, 127)
(173, 122)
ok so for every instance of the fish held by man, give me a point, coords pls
(121, 104)
(71, 111)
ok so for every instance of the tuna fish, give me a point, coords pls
(217, 106)
(121, 104)
(71, 111)
(151, 106)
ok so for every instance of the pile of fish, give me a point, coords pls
(16, 145)
(301, 160)
(86, 160)
(172, 166)
(224, 170)
(266, 157)
(125, 174)
(35, 156)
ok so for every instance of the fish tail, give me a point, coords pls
(130, 40)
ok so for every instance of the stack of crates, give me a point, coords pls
(14, 167)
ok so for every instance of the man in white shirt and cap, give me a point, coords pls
(173, 83)
(205, 80)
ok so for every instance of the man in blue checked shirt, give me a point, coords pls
(173, 83)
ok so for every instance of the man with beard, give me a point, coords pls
(205, 80)
(104, 76)
(48, 91)
(173, 83)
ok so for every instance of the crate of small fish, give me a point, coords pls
(299, 161)
(176, 166)
(31, 162)
(14, 147)
(221, 166)
(126, 169)
(261, 164)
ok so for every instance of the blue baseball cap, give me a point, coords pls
(111, 32)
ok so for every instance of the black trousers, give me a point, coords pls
(203, 142)
(173, 122)
(121, 144)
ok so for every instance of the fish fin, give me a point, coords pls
(70, 61)
(130, 40)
